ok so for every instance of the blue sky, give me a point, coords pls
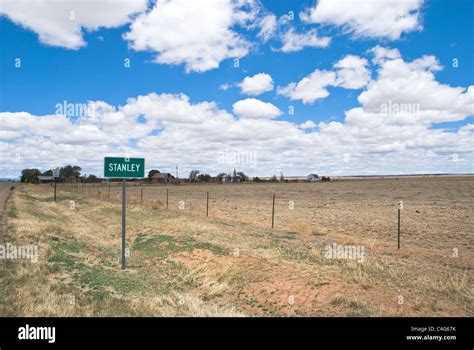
(52, 73)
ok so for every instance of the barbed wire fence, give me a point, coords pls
(264, 210)
(267, 207)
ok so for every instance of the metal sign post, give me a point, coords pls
(124, 168)
(124, 206)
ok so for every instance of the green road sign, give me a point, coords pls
(124, 167)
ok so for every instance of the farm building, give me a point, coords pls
(232, 178)
(45, 179)
(163, 178)
(313, 178)
(73, 179)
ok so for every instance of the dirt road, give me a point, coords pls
(4, 194)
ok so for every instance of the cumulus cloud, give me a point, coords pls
(255, 109)
(268, 27)
(198, 34)
(382, 53)
(294, 41)
(310, 88)
(410, 93)
(368, 18)
(376, 137)
(350, 72)
(309, 124)
(225, 86)
(256, 84)
(61, 23)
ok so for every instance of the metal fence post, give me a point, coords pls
(400, 207)
(273, 211)
(398, 228)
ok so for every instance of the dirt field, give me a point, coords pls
(233, 263)
(438, 212)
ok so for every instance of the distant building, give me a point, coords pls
(232, 178)
(73, 179)
(163, 178)
(313, 178)
(45, 179)
(235, 179)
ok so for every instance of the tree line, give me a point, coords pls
(31, 175)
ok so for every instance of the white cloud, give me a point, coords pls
(225, 86)
(370, 140)
(310, 88)
(255, 109)
(197, 34)
(352, 72)
(61, 23)
(309, 124)
(368, 18)
(293, 41)
(56, 127)
(410, 93)
(283, 30)
(382, 53)
(256, 84)
(166, 108)
(268, 27)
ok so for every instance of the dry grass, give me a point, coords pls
(185, 265)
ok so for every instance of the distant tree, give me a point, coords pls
(273, 178)
(193, 175)
(228, 178)
(257, 179)
(30, 175)
(204, 177)
(282, 178)
(243, 177)
(151, 173)
(220, 176)
(325, 178)
(91, 178)
(70, 171)
(48, 173)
